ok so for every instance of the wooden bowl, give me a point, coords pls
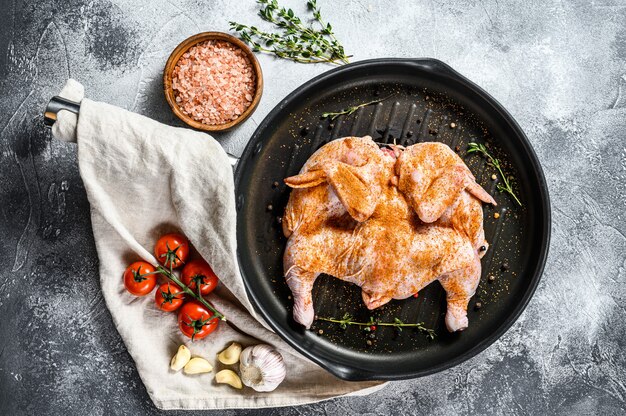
(184, 47)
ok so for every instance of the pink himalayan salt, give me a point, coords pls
(214, 82)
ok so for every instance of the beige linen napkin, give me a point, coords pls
(143, 179)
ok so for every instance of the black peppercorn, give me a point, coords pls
(409, 133)
(275, 184)
(331, 126)
(504, 267)
(433, 132)
(483, 248)
(478, 305)
(304, 131)
(492, 278)
(270, 207)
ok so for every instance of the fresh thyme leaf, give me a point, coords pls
(351, 110)
(296, 41)
(502, 187)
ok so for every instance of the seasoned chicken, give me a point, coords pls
(348, 218)
(439, 186)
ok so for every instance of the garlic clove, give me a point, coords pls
(198, 365)
(262, 367)
(230, 355)
(181, 358)
(229, 377)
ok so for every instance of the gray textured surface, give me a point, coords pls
(559, 67)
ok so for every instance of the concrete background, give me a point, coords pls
(558, 66)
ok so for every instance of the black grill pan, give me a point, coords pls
(426, 97)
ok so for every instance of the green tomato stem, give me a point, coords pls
(171, 276)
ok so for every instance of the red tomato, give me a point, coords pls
(199, 272)
(196, 321)
(169, 297)
(172, 250)
(136, 281)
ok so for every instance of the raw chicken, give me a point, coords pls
(348, 218)
(439, 186)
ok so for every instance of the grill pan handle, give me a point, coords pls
(55, 105)
(58, 103)
(437, 66)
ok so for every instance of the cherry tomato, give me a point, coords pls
(169, 297)
(136, 281)
(199, 272)
(196, 321)
(172, 249)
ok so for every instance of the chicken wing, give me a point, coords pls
(440, 187)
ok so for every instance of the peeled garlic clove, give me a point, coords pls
(229, 377)
(230, 355)
(181, 358)
(198, 365)
(262, 367)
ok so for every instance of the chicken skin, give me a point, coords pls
(440, 187)
(348, 217)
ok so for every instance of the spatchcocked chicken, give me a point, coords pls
(390, 220)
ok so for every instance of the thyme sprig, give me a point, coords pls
(397, 323)
(350, 110)
(296, 40)
(492, 161)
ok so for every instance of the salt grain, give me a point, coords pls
(213, 82)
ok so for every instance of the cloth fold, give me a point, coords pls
(144, 179)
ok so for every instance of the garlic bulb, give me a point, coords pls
(261, 367)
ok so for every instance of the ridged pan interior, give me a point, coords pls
(425, 98)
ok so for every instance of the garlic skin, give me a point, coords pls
(262, 367)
